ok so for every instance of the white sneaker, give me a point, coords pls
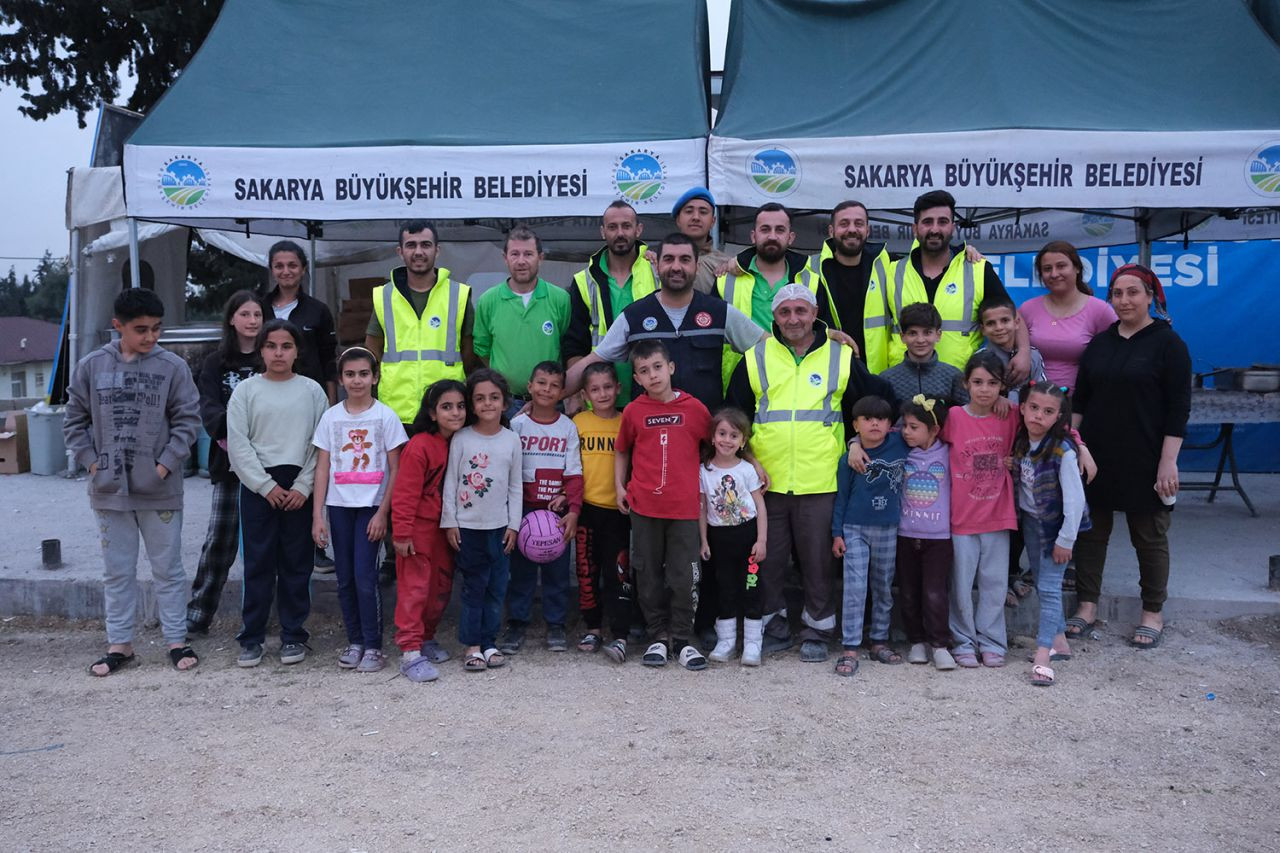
(942, 659)
(692, 659)
(919, 653)
(752, 640)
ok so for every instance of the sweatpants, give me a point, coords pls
(161, 534)
(278, 556)
(924, 575)
(221, 544)
(355, 564)
(1149, 534)
(485, 571)
(424, 584)
(984, 557)
(737, 583)
(664, 561)
(1048, 577)
(604, 570)
(801, 523)
(525, 574)
(870, 551)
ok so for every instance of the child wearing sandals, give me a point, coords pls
(132, 415)
(424, 563)
(1052, 511)
(604, 533)
(480, 515)
(734, 531)
(864, 531)
(358, 445)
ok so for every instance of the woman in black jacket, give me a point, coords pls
(233, 361)
(1132, 402)
(288, 300)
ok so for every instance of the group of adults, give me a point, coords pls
(795, 341)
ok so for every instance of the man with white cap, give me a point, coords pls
(800, 385)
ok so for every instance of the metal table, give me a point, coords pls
(1226, 409)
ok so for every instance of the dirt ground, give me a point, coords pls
(1174, 749)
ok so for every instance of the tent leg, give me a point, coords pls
(1144, 238)
(135, 274)
(73, 287)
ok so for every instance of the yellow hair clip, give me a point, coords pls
(926, 403)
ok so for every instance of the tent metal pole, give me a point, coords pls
(135, 274)
(315, 269)
(73, 293)
(1144, 238)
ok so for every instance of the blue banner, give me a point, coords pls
(1224, 304)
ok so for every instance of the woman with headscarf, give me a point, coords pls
(1131, 405)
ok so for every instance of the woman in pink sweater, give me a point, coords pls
(1063, 321)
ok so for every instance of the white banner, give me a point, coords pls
(404, 182)
(1004, 168)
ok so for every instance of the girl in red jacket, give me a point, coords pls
(424, 563)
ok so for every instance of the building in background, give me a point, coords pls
(28, 348)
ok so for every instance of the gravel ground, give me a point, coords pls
(1128, 751)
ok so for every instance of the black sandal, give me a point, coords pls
(112, 661)
(181, 654)
(590, 642)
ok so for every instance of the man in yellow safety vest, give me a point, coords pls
(421, 326)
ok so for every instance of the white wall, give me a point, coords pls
(36, 375)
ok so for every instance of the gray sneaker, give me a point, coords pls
(293, 653)
(556, 640)
(250, 655)
(372, 661)
(513, 639)
(350, 657)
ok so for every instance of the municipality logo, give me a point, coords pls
(639, 175)
(548, 327)
(1096, 225)
(184, 182)
(775, 171)
(1263, 170)
(815, 379)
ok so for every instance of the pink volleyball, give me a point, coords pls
(540, 538)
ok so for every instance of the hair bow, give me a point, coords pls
(926, 403)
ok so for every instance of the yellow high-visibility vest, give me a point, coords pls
(418, 351)
(737, 291)
(644, 280)
(798, 434)
(957, 299)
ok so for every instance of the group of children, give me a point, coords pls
(651, 496)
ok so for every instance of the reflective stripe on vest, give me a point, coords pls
(963, 326)
(595, 305)
(765, 414)
(392, 354)
(885, 319)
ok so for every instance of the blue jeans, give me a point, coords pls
(355, 562)
(1048, 576)
(555, 588)
(484, 571)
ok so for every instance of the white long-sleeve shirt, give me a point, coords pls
(483, 483)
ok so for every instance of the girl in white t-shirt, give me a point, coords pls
(358, 445)
(733, 527)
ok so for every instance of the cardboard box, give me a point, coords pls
(362, 288)
(15, 452)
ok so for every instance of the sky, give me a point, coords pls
(35, 156)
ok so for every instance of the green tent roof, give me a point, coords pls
(842, 68)
(321, 73)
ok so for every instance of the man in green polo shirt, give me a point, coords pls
(763, 269)
(519, 322)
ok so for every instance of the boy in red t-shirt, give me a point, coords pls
(661, 433)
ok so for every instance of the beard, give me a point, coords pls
(771, 252)
(850, 245)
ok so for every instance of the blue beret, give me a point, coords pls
(690, 195)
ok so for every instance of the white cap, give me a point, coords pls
(793, 291)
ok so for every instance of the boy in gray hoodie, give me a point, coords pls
(132, 415)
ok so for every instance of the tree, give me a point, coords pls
(213, 275)
(76, 49)
(49, 291)
(13, 294)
